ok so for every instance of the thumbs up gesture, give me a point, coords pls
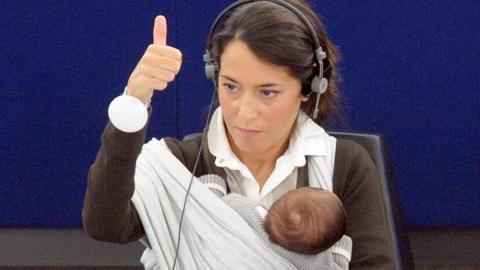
(158, 66)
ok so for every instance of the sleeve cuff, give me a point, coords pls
(343, 247)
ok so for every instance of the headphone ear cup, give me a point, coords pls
(319, 85)
(211, 66)
(211, 70)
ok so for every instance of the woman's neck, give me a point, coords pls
(261, 165)
(261, 169)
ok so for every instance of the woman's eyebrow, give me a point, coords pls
(261, 85)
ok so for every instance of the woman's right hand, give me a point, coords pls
(158, 66)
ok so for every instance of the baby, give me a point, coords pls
(306, 220)
(303, 221)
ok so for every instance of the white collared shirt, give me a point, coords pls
(307, 139)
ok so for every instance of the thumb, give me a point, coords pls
(160, 30)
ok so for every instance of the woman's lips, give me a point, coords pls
(248, 132)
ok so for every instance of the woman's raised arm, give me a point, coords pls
(108, 214)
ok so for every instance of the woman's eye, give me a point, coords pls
(229, 87)
(269, 93)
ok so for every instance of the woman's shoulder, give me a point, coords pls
(352, 165)
(347, 150)
(185, 150)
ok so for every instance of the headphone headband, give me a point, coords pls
(285, 4)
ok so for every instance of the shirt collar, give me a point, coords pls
(307, 139)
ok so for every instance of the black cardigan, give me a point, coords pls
(109, 215)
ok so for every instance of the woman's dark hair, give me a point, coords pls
(278, 36)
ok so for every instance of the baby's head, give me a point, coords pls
(306, 220)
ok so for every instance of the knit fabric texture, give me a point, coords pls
(215, 183)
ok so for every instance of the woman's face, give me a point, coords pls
(260, 102)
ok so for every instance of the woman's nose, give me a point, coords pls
(247, 107)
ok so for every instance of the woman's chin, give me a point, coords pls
(248, 145)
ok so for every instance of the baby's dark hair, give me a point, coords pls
(306, 220)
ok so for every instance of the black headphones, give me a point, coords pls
(318, 84)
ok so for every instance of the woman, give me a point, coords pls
(260, 139)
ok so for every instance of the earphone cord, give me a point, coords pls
(193, 173)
